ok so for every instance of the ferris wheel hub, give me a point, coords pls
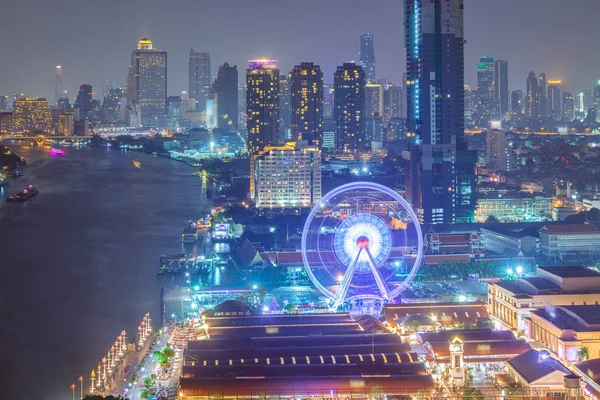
(362, 242)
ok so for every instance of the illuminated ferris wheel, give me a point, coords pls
(361, 242)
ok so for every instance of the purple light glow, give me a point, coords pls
(263, 64)
(56, 152)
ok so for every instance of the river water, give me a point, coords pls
(79, 261)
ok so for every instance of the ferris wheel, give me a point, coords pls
(362, 241)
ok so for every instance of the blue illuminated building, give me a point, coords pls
(440, 174)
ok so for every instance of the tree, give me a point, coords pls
(415, 325)
(492, 220)
(484, 323)
(160, 358)
(583, 353)
(168, 352)
(468, 325)
(289, 309)
(147, 388)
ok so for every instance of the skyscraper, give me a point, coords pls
(306, 87)
(531, 104)
(199, 78)
(554, 100)
(349, 108)
(83, 101)
(147, 82)
(285, 109)
(32, 115)
(111, 105)
(392, 102)
(328, 99)
(367, 57)
(226, 91)
(516, 101)
(58, 84)
(373, 99)
(568, 107)
(542, 100)
(440, 180)
(262, 105)
(485, 90)
(501, 87)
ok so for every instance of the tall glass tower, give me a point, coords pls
(440, 178)
(367, 57)
(262, 105)
(306, 86)
(200, 79)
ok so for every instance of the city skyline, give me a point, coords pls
(340, 42)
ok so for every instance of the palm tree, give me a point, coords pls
(583, 353)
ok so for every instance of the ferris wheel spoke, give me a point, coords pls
(380, 282)
(340, 294)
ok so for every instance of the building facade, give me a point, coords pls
(498, 151)
(32, 115)
(147, 83)
(200, 79)
(306, 89)
(349, 107)
(531, 103)
(440, 178)
(514, 207)
(83, 101)
(501, 87)
(287, 176)
(262, 105)
(557, 240)
(367, 57)
(226, 92)
(485, 91)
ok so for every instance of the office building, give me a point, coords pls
(329, 132)
(501, 87)
(226, 92)
(373, 99)
(510, 302)
(532, 101)
(440, 179)
(111, 110)
(147, 83)
(6, 122)
(306, 86)
(66, 124)
(393, 100)
(58, 84)
(485, 91)
(83, 101)
(568, 107)
(262, 105)
(560, 240)
(516, 101)
(285, 109)
(63, 104)
(542, 99)
(374, 132)
(328, 100)
(498, 151)
(513, 207)
(32, 115)
(200, 79)
(367, 57)
(349, 107)
(287, 176)
(554, 100)
(175, 108)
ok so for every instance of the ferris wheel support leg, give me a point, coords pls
(380, 283)
(340, 294)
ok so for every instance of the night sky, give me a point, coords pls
(93, 40)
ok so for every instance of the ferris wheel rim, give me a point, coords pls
(356, 186)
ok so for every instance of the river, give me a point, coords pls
(79, 260)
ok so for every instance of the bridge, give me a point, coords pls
(52, 139)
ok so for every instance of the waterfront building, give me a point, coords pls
(554, 100)
(560, 240)
(83, 101)
(147, 83)
(440, 175)
(349, 109)
(200, 79)
(287, 176)
(262, 104)
(226, 92)
(367, 57)
(501, 87)
(32, 115)
(306, 89)
(532, 104)
(485, 91)
(513, 207)
(498, 151)
(510, 302)
(66, 124)
(6, 122)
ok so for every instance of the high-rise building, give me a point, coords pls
(285, 109)
(262, 104)
(374, 132)
(485, 90)
(542, 100)
(393, 100)
(4, 100)
(32, 115)
(498, 151)
(226, 91)
(440, 179)
(83, 101)
(328, 100)
(501, 87)
(200, 79)
(568, 106)
(147, 83)
(516, 101)
(66, 124)
(373, 99)
(111, 110)
(349, 110)
(532, 101)
(329, 133)
(278, 185)
(554, 100)
(58, 84)
(367, 57)
(306, 87)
